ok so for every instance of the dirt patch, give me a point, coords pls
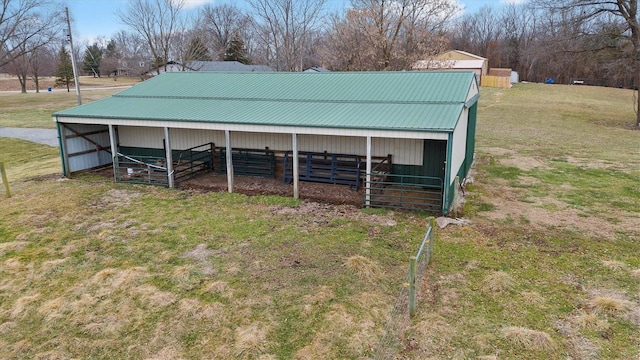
(523, 163)
(325, 193)
(548, 212)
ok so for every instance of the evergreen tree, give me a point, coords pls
(92, 59)
(64, 75)
(198, 50)
(110, 59)
(236, 51)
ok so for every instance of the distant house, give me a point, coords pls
(224, 66)
(402, 138)
(316, 69)
(232, 66)
(455, 60)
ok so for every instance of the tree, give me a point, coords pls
(25, 26)
(236, 51)
(389, 34)
(132, 54)
(283, 27)
(92, 60)
(65, 68)
(155, 21)
(623, 11)
(220, 23)
(198, 50)
(110, 61)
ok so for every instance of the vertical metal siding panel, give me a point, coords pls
(138, 136)
(261, 140)
(459, 148)
(78, 144)
(403, 151)
(334, 144)
(187, 138)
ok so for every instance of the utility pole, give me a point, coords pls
(73, 58)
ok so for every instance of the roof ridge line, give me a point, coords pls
(287, 100)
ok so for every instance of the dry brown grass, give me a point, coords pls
(251, 341)
(364, 268)
(498, 282)
(528, 339)
(615, 265)
(612, 304)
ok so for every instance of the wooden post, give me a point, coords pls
(4, 178)
(169, 156)
(227, 138)
(412, 285)
(367, 196)
(296, 189)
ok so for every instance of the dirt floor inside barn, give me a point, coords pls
(248, 185)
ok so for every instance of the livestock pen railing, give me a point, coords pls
(406, 192)
(189, 162)
(139, 169)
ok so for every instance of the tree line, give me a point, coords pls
(596, 42)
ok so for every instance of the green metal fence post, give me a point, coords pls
(4, 178)
(412, 285)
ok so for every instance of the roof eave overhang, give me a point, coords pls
(405, 133)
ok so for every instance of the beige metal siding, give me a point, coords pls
(459, 144)
(403, 151)
(187, 138)
(145, 137)
(251, 140)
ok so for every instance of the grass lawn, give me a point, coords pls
(548, 267)
(33, 110)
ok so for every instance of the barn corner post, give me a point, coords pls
(62, 142)
(169, 155)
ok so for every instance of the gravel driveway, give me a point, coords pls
(40, 136)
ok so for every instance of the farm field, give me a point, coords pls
(547, 268)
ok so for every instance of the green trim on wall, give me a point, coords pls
(64, 165)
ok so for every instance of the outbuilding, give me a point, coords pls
(400, 138)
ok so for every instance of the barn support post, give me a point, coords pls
(294, 142)
(168, 151)
(114, 151)
(367, 185)
(446, 202)
(227, 139)
(62, 139)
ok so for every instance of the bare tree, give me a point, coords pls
(284, 28)
(388, 34)
(155, 21)
(25, 26)
(129, 54)
(626, 11)
(220, 23)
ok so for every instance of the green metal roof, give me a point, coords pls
(414, 101)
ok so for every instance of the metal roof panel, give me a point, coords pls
(417, 101)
